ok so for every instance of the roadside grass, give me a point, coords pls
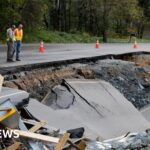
(126, 40)
(62, 37)
(58, 37)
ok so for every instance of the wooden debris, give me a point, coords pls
(46, 96)
(82, 145)
(74, 145)
(62, 142)
(36, 136)
(1, 82)
(14, 146)
(5, 109)
(37, 126)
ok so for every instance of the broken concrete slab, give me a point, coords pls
(15, 96)
(114, 114)
(9, 98)
(61, 119)
(60, 98)
(146, 112)
(97, 106)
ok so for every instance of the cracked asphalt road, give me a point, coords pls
(97, 106)
(59, 52)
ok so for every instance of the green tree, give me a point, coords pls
(127, 18)
(9, 13)
(32, 13)
(97, 17)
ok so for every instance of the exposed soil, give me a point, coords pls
(39, 82)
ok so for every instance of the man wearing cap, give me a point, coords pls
(10, 43)
(18, 40)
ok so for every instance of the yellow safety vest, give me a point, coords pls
(18, 34)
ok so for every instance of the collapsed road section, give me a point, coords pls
(126, 74)
(93, 104)
(82, 103)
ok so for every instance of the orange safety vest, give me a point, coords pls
(18, 34)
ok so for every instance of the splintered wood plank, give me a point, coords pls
(62, 141)
(73, 144)
(5, 109)
(37, 126)
(36, 136)
(14, 146)
(1, 82)
(82, 145)
(46, 96)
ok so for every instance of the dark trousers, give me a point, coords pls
(10, 50)
(17, 48)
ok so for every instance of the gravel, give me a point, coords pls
(133, 141)
(131, 80)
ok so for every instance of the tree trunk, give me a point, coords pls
(105, 36)
(105, 23)
(69, 20)
(46, 21)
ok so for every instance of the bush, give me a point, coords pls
(57, 37)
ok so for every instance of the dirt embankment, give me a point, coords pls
(39, 82)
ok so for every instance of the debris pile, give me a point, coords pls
(131, 76)
(21, 130)
(132, 141)
(131, 80)
(89, 104)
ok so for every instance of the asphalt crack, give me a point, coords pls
(85, 100)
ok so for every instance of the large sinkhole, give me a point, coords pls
(130, 74)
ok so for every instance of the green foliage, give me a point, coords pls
(63, 37)
(9, 13)
(32, 13)
(106, 18)
(58, 37)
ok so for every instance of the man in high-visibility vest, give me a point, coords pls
(18, 40)
(10, 43)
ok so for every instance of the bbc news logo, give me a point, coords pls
(9, 134)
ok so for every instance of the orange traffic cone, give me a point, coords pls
(135, 45)
(97, 44)
(41, 49)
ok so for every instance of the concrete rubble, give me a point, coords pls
(33, 134)
(131, 141)
(130, 78)
(146, 112)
